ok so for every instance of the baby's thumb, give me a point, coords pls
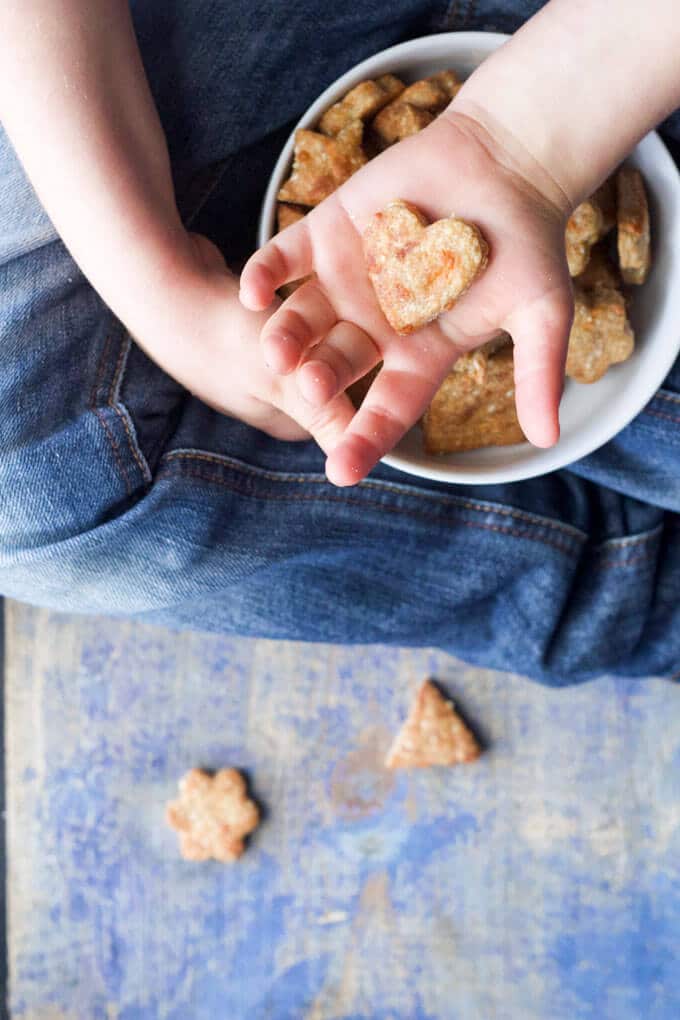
(540, 331)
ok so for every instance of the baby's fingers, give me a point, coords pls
(301, 322)
(325, 424)
(541, 333)
(287, 257)
(346, 354)
(396, 400)
(315, 396)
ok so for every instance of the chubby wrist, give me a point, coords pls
(505, 151)
(558, 95)
(139, 266)
(184, 288)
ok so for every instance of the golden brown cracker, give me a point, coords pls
(413, 109)
(212, 815)
(322, 164)
(426, 94)
(287, 214)
(585, 223)
(600, 335)
(584, 228)
(600, 271)
(578, 255)
(360, 103)
(391, 84)
(464, 416)
(349, 142)
(633, 226)
(398, 121)
(433, 734)
(418, 270)
(448, 81)
(590, 221)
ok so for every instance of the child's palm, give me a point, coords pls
(525, 289)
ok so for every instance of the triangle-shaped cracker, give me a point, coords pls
(433, 734)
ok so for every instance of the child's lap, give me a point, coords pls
(121, 492)
(226, 75)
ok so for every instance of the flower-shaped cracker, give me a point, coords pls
(212, 815)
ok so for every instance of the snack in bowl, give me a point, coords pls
(419, 270)
(584, 229)
(321, 164)
(360, 103)
(588, 224)
(600, 335)
(448, 82)
(474, 407)
(398, 121)
(414, 108)
(633, 226)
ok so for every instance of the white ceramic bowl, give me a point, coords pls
(590, 414)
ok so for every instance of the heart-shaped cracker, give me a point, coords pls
(419, 271)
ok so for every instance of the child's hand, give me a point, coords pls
(533, 131)
(76, 103)
(453, 167)
(207, 341)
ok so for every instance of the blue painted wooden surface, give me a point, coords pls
(3, 911)
(541, 883)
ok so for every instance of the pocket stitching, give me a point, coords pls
(196, 472)
(443, 499)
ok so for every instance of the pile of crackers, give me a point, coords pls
(372, 116)
(607, 244)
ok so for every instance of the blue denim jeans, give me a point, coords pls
(120, 493)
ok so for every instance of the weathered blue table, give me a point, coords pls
(541, 883)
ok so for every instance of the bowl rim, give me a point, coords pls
(584, 441)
